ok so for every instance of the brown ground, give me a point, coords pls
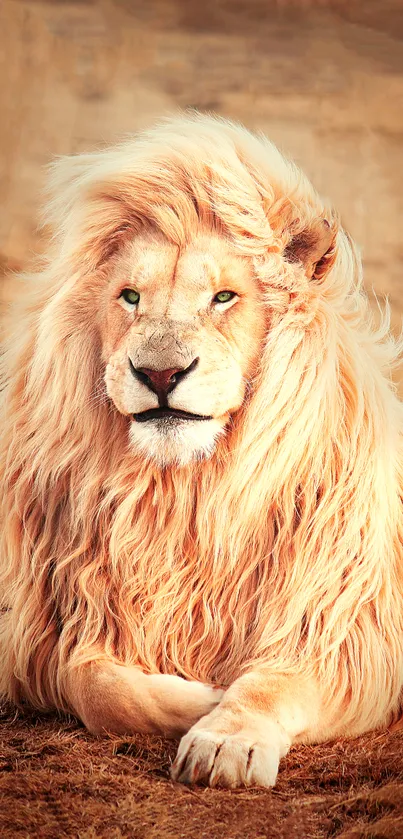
(323, 79)
(56, 780)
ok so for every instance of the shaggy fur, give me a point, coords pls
(275, 564)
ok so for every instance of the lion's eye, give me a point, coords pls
(224, 296)
(130, 296)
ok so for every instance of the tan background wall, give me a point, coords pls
(323, 79)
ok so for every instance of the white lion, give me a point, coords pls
(201, 526)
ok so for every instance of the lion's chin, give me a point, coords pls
(179, 442)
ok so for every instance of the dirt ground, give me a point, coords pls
(325, 81)
(56, 780)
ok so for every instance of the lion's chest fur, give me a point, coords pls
(195, 586)
(187, 594)
(190, 618)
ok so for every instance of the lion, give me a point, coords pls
(201, 523)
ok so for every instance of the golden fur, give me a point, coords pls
(268, 559)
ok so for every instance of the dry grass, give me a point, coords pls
(57, 780)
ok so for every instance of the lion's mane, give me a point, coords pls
(286, 545)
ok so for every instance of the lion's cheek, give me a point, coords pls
(218, 390)
(120, 392)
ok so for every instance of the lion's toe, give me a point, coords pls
(206, 757)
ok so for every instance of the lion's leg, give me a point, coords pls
(242, 740)
(109, 697)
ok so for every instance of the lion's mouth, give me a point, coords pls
(169, 414)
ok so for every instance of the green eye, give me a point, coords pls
(224, 296)
(130, 296)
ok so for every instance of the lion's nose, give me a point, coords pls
(162, 382)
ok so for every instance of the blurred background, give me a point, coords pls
(324, 80)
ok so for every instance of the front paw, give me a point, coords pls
(249, 757)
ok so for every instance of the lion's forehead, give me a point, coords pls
(165, 273)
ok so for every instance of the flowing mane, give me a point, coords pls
(302, 499)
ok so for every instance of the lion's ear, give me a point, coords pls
(311, 247)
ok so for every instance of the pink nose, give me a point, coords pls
(161, 381)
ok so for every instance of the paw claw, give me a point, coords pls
(243, 759)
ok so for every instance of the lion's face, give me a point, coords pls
(178, 350)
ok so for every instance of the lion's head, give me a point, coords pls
(184, 250)
(181, 330)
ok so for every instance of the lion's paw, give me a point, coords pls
(247, 758)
